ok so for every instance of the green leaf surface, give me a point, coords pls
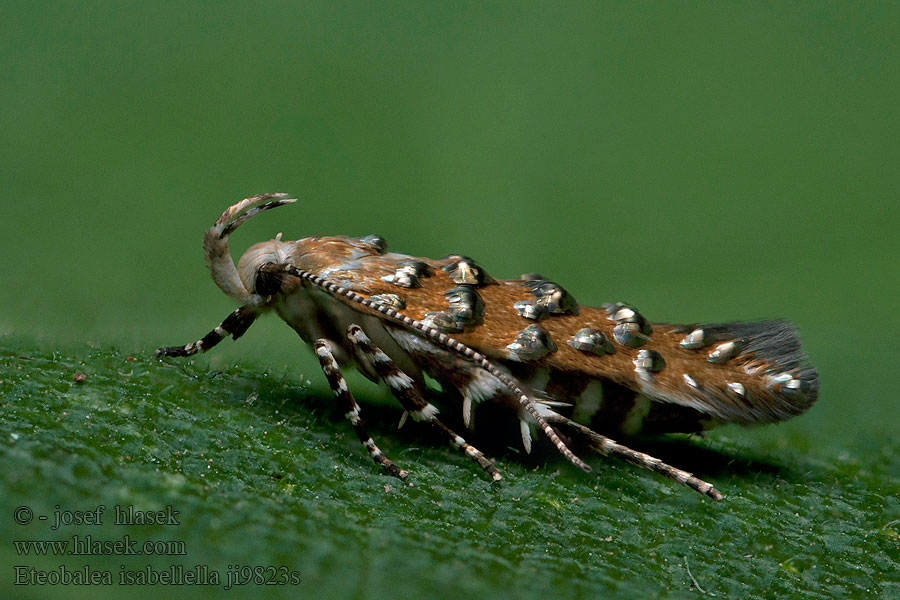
(262, 473)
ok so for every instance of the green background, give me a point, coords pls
(705, 162)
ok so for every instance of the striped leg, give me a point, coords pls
(411, 399)
(234, 325)
(351, 408)
(605, 445)
(445, 341)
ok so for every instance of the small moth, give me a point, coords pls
(525, 345)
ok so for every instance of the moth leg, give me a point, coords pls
(234, 325)
(605, 445)
(351, 408)
(411, 399)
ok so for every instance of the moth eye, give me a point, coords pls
(267, 282)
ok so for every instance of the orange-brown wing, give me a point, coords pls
(736, 372)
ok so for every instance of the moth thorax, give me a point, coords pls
(257, 256)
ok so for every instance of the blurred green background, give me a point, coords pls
(705, 162)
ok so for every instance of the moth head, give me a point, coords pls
(251, 267)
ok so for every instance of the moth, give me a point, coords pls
(523, 345)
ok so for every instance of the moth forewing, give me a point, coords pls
(525, 343)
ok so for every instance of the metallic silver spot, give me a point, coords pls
(737, 388)
(698, 338)
(691, 381)
(649, 360)
(592, 340)
(466, 305)
(725, 352)
(465, 271)
(408, 274)
(553, 296)
(531, 310)
(680, 328)
(796, 389)
(392, 300)
(613, 307)
(532, 343)
(779, 378)
(443, 322)
(377, 242)
(644, 375)
(622, 312)
(626, 314)
(403, 279)
(780, 381)
(630, 335)
(419, 268)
